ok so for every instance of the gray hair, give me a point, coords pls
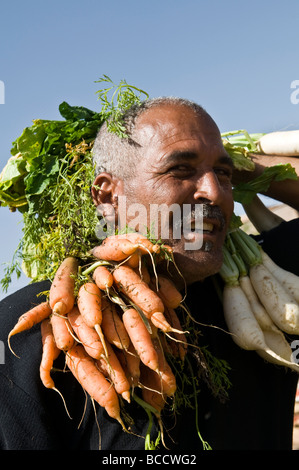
(118, 156)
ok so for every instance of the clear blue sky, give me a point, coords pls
(236, 58)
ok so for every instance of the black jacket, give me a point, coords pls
(257, 415)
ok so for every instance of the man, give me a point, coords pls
(181, 160)
(173, 155)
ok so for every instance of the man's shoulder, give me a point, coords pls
(285, 227)
(27, 293)
(19, 302)
(281, 244)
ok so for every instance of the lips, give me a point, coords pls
(213, 215)
(213, 218)
(202, 221)
(207, 227)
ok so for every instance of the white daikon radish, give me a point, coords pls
(244, 328)
(284, 143)
(261, 216)
(259, 311)
(289, 280)
(279, 344)
(281, 347)
(280, 305)
(240, 320)
(277, 301)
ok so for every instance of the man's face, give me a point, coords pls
(183, 162)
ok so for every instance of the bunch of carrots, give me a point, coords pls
(116, 319)
(115, 326)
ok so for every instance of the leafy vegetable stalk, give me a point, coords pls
(239, 144)
(116, 100)
(49, 177)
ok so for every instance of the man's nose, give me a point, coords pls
(208, 189)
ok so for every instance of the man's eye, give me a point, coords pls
(224, 172)
(180, 169)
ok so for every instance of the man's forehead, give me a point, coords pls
(164, 122)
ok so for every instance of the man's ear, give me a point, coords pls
(105, 189)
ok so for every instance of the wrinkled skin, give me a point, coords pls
(182, 162)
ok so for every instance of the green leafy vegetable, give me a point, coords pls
(239, 144)
(116, 99)
(48, 179)
(245, 192)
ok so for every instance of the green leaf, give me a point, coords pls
(245, 192)
(240, 157)
(239, 144)
(235, 222)
(30, 142)
(13, 199)
(75, 113)
(116, 100)
(12, 186)
(44, 167)
(13, 171)
(242, 138)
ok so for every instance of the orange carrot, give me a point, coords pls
(61, 330)
(112, 249)
(93, 381)
(30, 318)
(141, 338)
(130, 362)
(89, 301)
(168, 292)
(50, 353)
(168, 381)
(158, 319)
(166, 251)
(178, 334)
(169, 295)
(151, 389)
(143, 272)
(169, 346)
(144, 244)
(130, 283)
(167, 248)
(103, 277)
(153, 329)
(134, 259)
(113, 368)
(87, 336)
(62, 295)
(112, 325)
